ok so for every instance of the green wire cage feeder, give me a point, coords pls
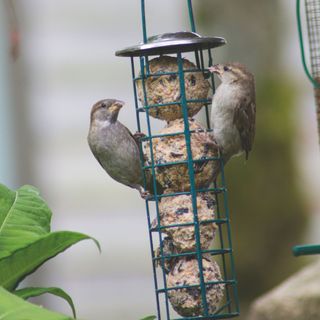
(187, 212)
(312, 14)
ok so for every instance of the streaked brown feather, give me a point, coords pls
(244, 120)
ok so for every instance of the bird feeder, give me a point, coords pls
(312, 11)
(187, 212)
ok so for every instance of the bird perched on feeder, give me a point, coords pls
(233, 110)
(113, 145)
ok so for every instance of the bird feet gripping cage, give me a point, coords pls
(187, 209)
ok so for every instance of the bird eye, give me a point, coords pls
(193, 80)
(225, 68)
(103, 105)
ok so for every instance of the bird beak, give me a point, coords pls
(116, 106)
(215, 69)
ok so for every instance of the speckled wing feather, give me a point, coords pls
(244, 119)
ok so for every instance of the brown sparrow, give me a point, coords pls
(233, 110)
(113, 145)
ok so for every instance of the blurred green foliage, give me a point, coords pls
(267, 207)
(268, 211)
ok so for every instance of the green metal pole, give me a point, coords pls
(191, 18)
(143, 19)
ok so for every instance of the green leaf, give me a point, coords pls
(30, 292)
(24, 261)
(15, 308)
(24, 217)
(149, 318)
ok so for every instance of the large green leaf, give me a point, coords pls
(15, 308)
(24, 261)
(24, 217)
(30, 292)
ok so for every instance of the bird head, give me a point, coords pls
(106, 110)
(231, 72)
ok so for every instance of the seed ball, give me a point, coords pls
(179, 210)
(173, 149)
(187, 302)
(161, 89)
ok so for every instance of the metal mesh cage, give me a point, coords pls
(312, 10)
(188, 210)
(313, 22)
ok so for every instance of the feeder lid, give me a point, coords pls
(172, 43)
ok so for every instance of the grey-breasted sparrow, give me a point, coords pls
(113, 145)
(233, 110)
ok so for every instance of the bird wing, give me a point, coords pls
(244, 119)
(133, 137)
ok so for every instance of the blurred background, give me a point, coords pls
(66, 62)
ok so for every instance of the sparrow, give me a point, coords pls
(233, 110)
(113, 145)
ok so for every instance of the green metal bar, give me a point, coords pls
(226, 305)
(192, 179)
(306, 70)
(144, 182)
(225, 273)
(214, 190)
(168, 73)
(308, 249)
(191, 18)
(233, 272)
(143, 19)
(154, 183)
(169, 135)
(188, 224)
(192, 253)
(196, 55)
(174, 163)
(197, 285)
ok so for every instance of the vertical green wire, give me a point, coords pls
(191, 18)
(143, 20)
(144, 181)
(146, 104)
(226, 208)
(192, 180)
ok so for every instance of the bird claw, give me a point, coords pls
(212, 69)
(154, 223)
(212, 143)
(144, 194)
(138, 136)
(199, 130)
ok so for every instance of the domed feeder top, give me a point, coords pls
(172, 43)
